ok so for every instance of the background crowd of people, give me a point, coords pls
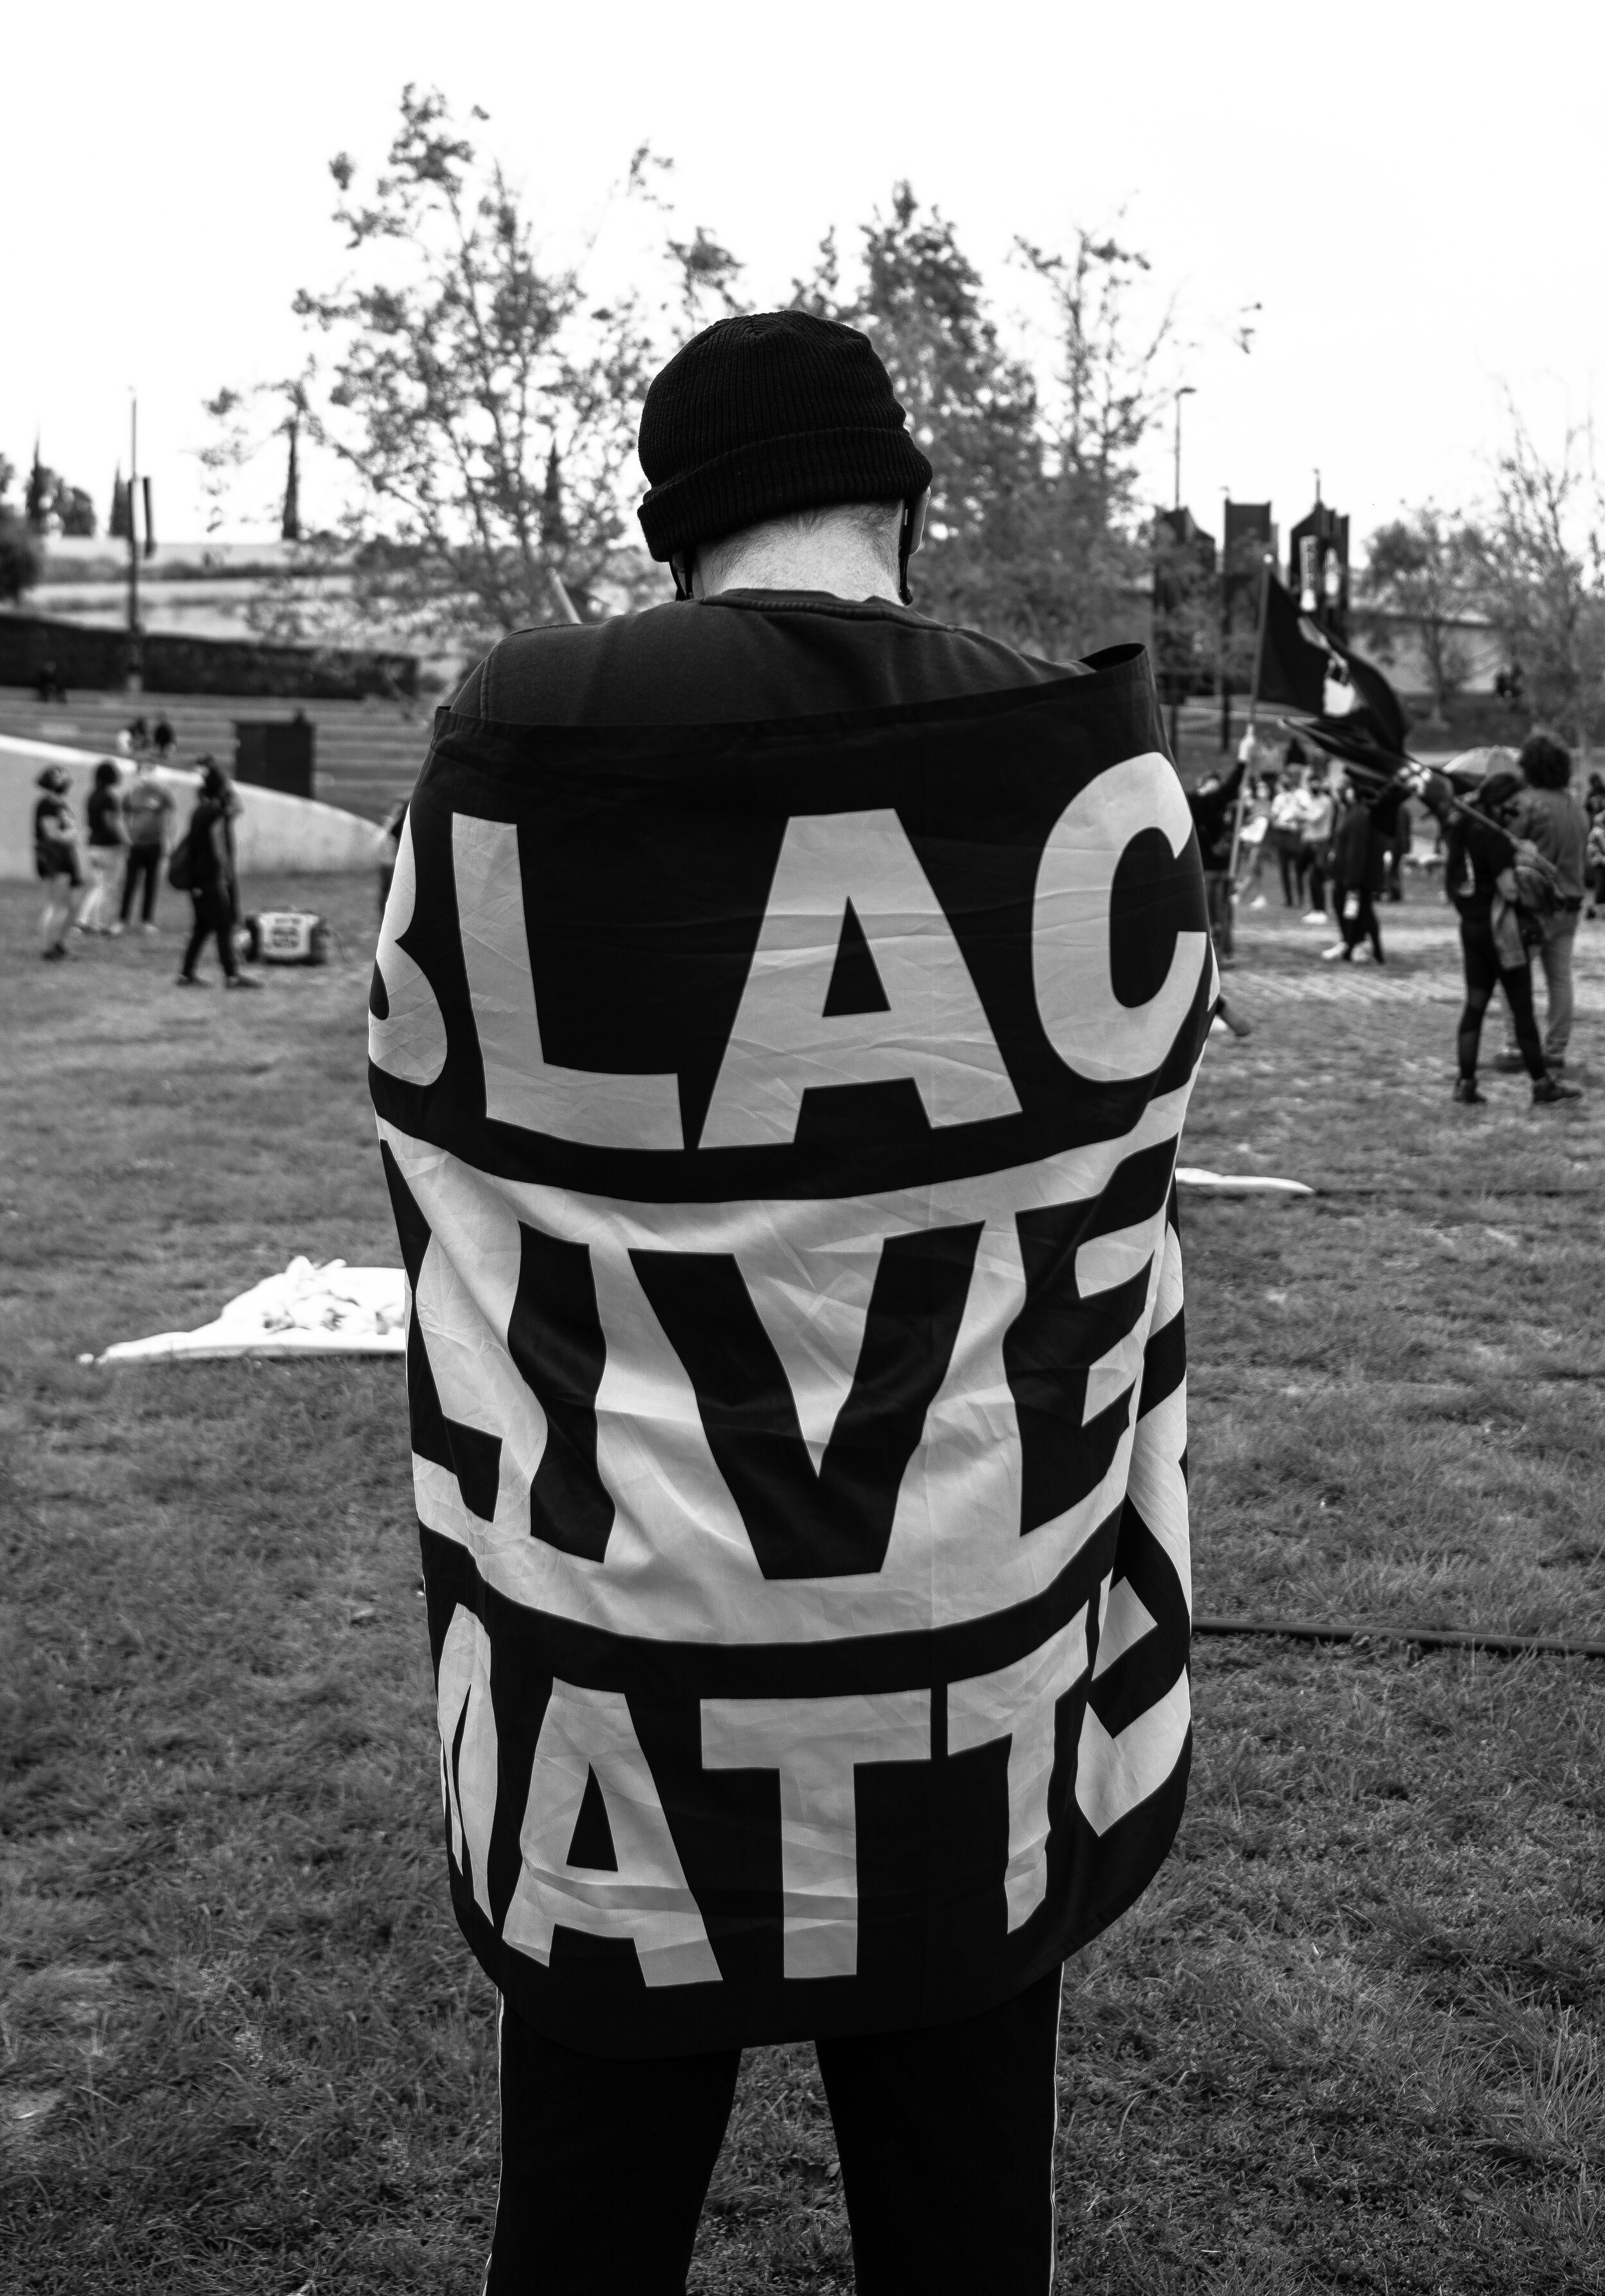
(97, 872)
(1522, 860)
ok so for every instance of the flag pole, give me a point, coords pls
(567, 610)
(135, 652)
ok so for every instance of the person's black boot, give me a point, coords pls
(1548, 1089)
(1467, 1093)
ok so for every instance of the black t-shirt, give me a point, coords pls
(745, 654)
(1212, 812)
(104, 811)
(53, 822)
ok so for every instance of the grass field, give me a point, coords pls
(1351, 2038)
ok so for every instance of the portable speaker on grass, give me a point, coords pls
(286, 937)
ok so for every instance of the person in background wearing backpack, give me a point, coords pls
(1479, 866)
(1548, 814)
(105, 818)
(205, 863)
(56, 858)
(148, 811)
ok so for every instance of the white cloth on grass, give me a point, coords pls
(1236, 1184)
(309, 1309)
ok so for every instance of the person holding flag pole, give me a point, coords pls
(1211, 803)
(1246, 750)
(1499, 882)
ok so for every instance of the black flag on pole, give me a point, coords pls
(1303, 666)
(1292, 670)
(780, 1121)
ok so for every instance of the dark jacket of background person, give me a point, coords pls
(1212, 812)
(1557, 825)
(1476, 852)
(212, 849)
(104, 812)
(1360, 847)
(1368, 829)
(213, 888)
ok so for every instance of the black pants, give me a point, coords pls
(142, 866)
(945, 2138)
(1484, 974)
(1364, 922)
(214, 915)
(1290, 861)
(1314, 863)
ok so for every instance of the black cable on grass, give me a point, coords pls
(1306, 1630)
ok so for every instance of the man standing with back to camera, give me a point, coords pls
(784, 1018)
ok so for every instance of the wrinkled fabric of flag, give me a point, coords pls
(781, 1124)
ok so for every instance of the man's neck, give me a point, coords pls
(845, 565)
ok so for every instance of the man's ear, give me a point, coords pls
(911, 534)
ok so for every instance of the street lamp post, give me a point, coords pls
(1186, 390)
(134, 676)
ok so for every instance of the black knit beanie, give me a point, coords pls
(767, 413)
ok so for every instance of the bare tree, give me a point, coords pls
(1036, 533)
(482, 406)
(1095, 545)
(1540, 565)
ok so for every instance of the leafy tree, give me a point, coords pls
(1186, 636)
(21, 562)
(972, 409)
(50, 505)
(483, 406)
(1539, 571)
(1036, 532)
(72, 508)
(1421, 569)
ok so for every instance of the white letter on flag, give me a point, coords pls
(1020, 1703)
(932, 1026)
(1089, 1027)
(816, 1745)
(521, 1088)
(468, 1777)
(646, 1899)
(410, 1041)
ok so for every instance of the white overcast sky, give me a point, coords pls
(1414, 192)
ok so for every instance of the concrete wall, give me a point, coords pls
(272, 831)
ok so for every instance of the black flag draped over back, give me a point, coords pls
(780, 1121)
